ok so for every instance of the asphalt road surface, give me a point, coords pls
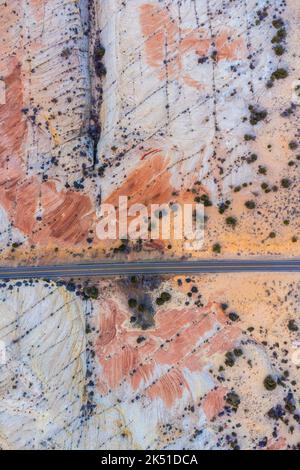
(113, 268)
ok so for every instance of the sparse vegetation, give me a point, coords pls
(278, 23)
(253, 157)
(132, 303)
(293, 145)
(223, 206)
(204, 199)
(256, 115)
(231, 221)
(262, 170)
(229, 359)
(233, 316)
(292, 326)
(280, 36)
(164, 297)
(270, 383)
(279, 74)
(250, 204)
(66, 52)
(249, 137)
(233, 399)
(217, 248)
(99, 52)
(279, 50)
(285, 183)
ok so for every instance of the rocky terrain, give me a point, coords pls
(205, 362)
(165, 102)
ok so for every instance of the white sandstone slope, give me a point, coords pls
(43, 369)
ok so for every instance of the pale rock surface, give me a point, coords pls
(43, 373)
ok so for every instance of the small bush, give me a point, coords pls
(231, 221)
(233, 399)
(132, 303)
(279, 50)
(233, 316)
(252, 158)
(229, 359)
(292, 326)
(249, 137)
(262, 170)
(165, 296)
(256, 115)
(279, 74)
(91, 292)
(270, 383)
(293, 145)
(280, 36)
(285, 183)
(250, 204)
(217, 248)
(278, 23)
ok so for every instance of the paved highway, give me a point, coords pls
(113, 268)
